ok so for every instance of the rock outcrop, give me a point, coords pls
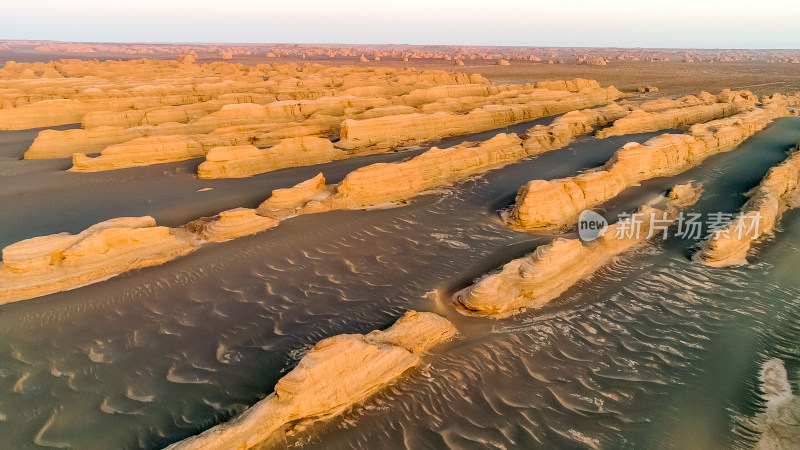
(338, 372)
(393, 131)
(575, 85)
(248, 160)
(689, 111)
(140, 152)
(289, 201)
(536, 279)
(554, 204)
(366, 117)
(48, 264)
(776, 193)
(391, 182)
(230, 224)
(779, 424)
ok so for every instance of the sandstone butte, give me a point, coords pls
(554, 204)
(776, 193)
(67, 90)
(536, 279)
(48, 264)
(686, 111)
(248, 160)
(43, 265)
(338, 372)
(248, 123)
(179, 107)
(151, 150)
(185, 106)
(393, 131)
(59, 267)
(779, 424)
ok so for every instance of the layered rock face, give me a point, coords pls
(384, 183)
(687, 111)
(230, 224)
(393, 131)
(76, 88)
(339, 371)
(578, 84)
(248, 160)
(776, 193)
(119, 101)
(289, 201)
(381, 183)
(139, 152)
(542, 204)
(536, 279)
(388, 108)
(779, 424)
(48, 264)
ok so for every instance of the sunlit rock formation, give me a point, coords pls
(575, 85)
(338, 372)
(48, 264)
(140, 152)
(392, 131)
(230, 224)
(553, 204)
(372, 109)
(248, 160)
(288, 201)
(776, 193)
(688, 111)
(536, 279)
(779, 425)
(147, 93)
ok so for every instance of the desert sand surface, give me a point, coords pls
(274, 245)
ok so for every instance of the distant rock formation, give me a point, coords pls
(248, 160)
(48, 264)
(556, 204)
(536, 279)
(776, 193)
(575, 85)
(338, 372)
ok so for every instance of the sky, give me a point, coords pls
(572, 23)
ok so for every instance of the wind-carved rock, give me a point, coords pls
(338, 372)
(779, 424)
(393, 131)
(682, 114)
(555, 204)
(536, 279)
(248, 160)
(777, 192)
(48, 264)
